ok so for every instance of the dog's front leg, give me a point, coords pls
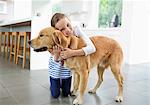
(82, 86)
(76, 81)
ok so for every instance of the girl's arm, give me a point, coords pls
(89, 49)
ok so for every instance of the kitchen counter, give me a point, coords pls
(19, 22)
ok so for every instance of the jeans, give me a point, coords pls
(57, 84)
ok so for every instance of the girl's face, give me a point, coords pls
(64, 25)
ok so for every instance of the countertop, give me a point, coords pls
(18, 22)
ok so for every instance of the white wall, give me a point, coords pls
(22, 9)
(149, 34)
(40, 60)
(139, 32)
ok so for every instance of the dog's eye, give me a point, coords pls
(41, 35)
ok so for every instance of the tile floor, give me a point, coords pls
(23, 87)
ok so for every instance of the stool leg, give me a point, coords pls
(29, 37)
(4, 43)
(15, 48)
(18, 46)
(24, 51)
(0, 42)
(11, 48)
(8, 43)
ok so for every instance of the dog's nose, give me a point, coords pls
(29, 42)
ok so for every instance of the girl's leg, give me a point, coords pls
(55, 87)
(66, 86)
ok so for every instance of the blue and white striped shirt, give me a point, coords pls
(56, 70)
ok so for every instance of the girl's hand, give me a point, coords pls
(56, 52)
(66, 53)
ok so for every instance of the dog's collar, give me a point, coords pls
(62, 61)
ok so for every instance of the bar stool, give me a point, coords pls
(26, 37)
(13, 47)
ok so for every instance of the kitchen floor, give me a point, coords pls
(23, 87)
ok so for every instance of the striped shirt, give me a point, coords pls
(56, 70)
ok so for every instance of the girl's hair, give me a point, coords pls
(56, 17)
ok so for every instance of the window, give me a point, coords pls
(3, 7)
(56, 8)
(110, 13)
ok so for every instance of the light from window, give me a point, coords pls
(110, 13)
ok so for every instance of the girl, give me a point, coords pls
(60, 77)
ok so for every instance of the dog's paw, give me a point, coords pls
(92, 91)
(119, 99)
(73, 93)
(77, 102)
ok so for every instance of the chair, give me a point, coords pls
(26, 37)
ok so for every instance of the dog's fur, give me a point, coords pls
(108, 54)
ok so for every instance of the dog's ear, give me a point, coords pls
(60, 39)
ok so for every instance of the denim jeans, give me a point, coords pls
(57, 84)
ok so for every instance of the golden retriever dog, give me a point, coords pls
(108, 54)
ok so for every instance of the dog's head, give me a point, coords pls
(48, 38)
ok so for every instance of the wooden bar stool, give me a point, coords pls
(13, 47)
(26, 38)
